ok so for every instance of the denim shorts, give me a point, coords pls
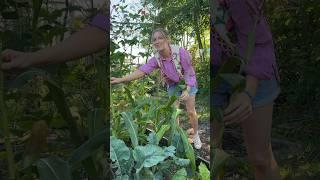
(171, 89)
(267, 92)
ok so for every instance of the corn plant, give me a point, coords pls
(149, 161)
(146, 112)
(5, 128)
(85, 153)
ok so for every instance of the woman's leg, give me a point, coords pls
(257, 137)
(193, 119)
(192, 114)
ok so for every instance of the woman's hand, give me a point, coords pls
(17, 60)
(115, 80)
(184, 96)
(239, 109)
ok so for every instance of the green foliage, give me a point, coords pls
(131, 127)
(147, 160)
(297, 52)
(142, 112)
(88, 148)
(204, 172)
(188, 150)
(220, 157)
(120, 154)
(181, 174)
(295, 30)
(71, 98)
(148, 156)
(143, 99)
(162, 131)
(54, 168)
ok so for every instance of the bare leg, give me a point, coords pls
(192, 114)
(257, 137)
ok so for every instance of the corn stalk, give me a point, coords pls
(6, 128)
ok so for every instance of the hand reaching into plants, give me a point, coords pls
(115, 80)
(184, 96)
(133, 76)
(82, 43)
(16, 60)
(239, 109)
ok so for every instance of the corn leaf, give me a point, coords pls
(119, 154)
(53, 168)
(132, 128)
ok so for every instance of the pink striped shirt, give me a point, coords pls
(170, 74)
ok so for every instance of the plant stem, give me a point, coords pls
(5, 126)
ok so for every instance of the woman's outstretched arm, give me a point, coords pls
(133, 76)
(90, 39)
(85, 42)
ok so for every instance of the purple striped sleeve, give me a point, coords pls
(188, 71)
(149, 66)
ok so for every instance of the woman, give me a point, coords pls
(164, 59)
(252, 108)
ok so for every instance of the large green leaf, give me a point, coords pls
(158, 176)
(119, 153)
(132, 128)
(57, 95)
(181, 161)
(219, 160)
(181, 174)
(204, 172)
(232, 65)
(152, 139)
(173, 123)
(96, 121)
(148, 156)
(178, 144)
(145, 174)
(170, 102)
(188, 150)
(53, 168)
(88, 148)
(162, 131)
(169, 151)
(236, 81)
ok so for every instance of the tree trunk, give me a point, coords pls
(196, 26)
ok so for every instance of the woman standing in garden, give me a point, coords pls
(253, 107)
(175, 65)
